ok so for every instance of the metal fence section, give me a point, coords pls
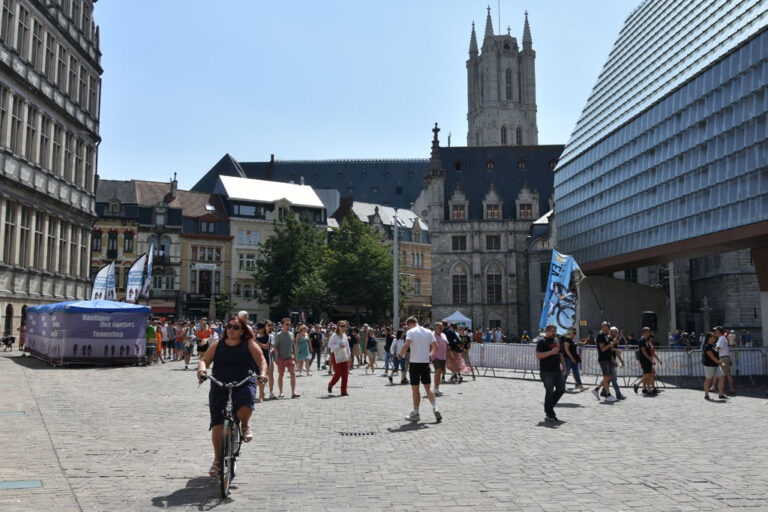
(675, 363)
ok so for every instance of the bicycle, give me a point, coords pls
(231, 435)
(565, 312)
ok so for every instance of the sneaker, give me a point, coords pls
(404, 381)
(438, 416)
(413, 417)
(272, 396)
(636, 388)
(438, 393)
(551, 419)
(722, 397)
(597, 394)
(390, 379)
(622, 397)
(603, 393)
(610, 398)
(645, 391)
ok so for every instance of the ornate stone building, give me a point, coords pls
(49, 131)
(480, 209)
(501, 89)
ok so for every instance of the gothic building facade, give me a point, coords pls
(501, 89)
(50, 81)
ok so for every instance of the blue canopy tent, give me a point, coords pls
(89, 331)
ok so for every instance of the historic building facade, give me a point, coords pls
(480, 211)
(501, 89)
(50, 81)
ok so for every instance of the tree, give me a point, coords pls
(289, 263)
(359, 268)
(224, 306)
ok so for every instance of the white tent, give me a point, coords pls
(459, 319)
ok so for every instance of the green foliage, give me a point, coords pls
(291, 260)
(359, 269)
(224, 306)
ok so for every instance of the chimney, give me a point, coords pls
(174, 187)
(271, 168)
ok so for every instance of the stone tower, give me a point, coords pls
(501, 87)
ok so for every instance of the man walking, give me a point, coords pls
(439, 357)
(285, 348)
(646, 361)
(316, 341)
(724, 353)
(604, 351)
(422, 343)
(551, 370)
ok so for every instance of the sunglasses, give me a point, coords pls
(234, 327)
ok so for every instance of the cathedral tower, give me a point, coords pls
(501, 89)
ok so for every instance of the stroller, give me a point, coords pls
(8, 341)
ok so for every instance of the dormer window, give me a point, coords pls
(521, 163)
(457, 164)
(160, 216)
(526, 211)
(459, 212)
(490, 164)
(492, 211)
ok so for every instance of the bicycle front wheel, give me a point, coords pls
(226, 458)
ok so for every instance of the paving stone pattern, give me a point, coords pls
(134, 438)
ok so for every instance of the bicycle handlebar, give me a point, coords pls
(205, 377)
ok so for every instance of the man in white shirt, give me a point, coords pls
(724, 353)
(422, 343)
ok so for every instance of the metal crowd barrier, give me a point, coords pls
(747, 362)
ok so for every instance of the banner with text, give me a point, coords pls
(148, 282)
(99, 291)
(561, 298)
(135, 280)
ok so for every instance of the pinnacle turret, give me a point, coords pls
(473, 41)
(527, 40)
(435, 164)
(488, 24)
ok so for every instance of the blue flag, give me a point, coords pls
(560, 299)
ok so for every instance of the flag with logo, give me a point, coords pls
(561, 298)
(135, 280)
(148, 282)
(99, 290)
(111, 294)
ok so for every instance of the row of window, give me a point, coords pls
(34, 136)
(28, 36)
(205, 253)
(33, 239)
(518, 136)
(459, 288)
(246, 262)
(492, 211)
(112, 242)
(492, 242)
(417, 259)
(247, 237)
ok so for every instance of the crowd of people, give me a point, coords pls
(232, 349)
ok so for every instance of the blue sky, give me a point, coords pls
(187, 81)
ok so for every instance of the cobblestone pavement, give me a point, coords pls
(134, 438)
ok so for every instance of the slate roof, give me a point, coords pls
(125, 191)
(405, 218)
(398, 183)
(195, 204)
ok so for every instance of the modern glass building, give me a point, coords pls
(670, 155)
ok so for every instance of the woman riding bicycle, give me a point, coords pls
(232, 357)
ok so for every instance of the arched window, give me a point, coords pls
(112, 245)
(459, 285)
(417, 286)
(96, 241)
(493, 286)
(519, 136)
(508, 76)
(8, 319)
(170, 279)
(503, 135)
(157, 279)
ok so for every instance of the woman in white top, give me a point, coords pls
(339, 345)
(395, 349)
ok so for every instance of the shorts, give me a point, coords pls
(285, 364)
(419, 373)
(728, 364)
(606, 367)
(150, 351)
(646, 365)
(372, 353)
(244, 395)
(188, 349)
(178, 345)
(713, 371)
(439, 364)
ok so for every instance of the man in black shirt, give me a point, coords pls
(316, 341)
(646, 360)
(604, 348)
(551, 370)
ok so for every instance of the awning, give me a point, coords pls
(163, 309)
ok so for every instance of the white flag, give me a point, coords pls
(148, 283)
(135, 275)
(99, 290)
(111, 293)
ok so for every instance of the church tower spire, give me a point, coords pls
(488, 25)
(473, 42)
(527, 40)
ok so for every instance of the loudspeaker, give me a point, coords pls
(649, 319)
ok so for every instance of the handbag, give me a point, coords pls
(340, 354)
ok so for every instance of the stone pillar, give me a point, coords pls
(760, 257)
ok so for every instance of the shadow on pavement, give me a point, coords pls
(546, 424)
(34, 363)
(201, 492)
(568, 405)
(408, 427)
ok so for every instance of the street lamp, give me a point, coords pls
(395, 284)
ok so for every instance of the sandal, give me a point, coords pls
(215, 469)
(295, 395)
(247, 435)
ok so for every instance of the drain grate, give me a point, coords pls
(356, 434)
